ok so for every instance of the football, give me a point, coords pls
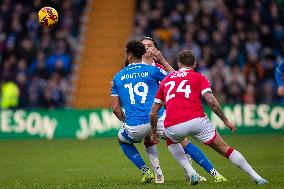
(47, 17)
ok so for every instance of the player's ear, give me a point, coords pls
(129, 57)
(194, 65)
(179, 64)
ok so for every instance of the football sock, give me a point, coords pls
(132, 153)
(189, 158)
(238, 159)
(152, 153)
(178, 153)
(197, 155)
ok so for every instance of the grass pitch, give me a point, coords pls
(99, 163)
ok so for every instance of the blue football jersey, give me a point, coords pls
(278, 74)
(136, 85)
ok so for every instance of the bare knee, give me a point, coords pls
(220, 146)
(221, 149)
(184, 143)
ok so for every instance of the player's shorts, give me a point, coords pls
(200, 128)
(134, 134)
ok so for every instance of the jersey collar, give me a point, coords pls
(184, 69)
(133, 64)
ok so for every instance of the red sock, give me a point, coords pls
(228, 153)
(170, 142)
(149, 143)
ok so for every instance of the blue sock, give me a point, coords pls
(132, 153)
(198, 156)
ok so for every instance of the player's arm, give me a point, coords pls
(115, 102)
(158, 103)
(278, 77)
(154, 120)
(116, 108)
(159, 57)
(216, 108)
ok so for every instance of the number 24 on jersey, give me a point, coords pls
(182, 88)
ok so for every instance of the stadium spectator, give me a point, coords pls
(9, 94)
(238, 32)
(39, 60)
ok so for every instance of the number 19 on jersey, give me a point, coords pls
(133, 90)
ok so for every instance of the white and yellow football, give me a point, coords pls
(47, 17)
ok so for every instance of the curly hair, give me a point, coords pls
(136, 48)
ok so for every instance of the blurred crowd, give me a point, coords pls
(238, 43)
(34, 61)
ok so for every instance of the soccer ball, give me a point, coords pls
(47, 17)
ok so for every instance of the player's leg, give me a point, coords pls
(220, 146)
(176, 134)
(178, 153)
(152, 153)
(194, 127)
(199, 157)
(126, 144)
(176, 150)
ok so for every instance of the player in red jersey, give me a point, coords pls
(181, 93)
(150, 57)
(152, 54)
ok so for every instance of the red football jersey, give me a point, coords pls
(158, 65)
(181, 92)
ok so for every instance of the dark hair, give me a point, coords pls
(136, 48)
(186, 57)
(151, 39)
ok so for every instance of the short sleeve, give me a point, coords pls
(114, 91)
(205, 85)
(281, 67)
(278, 74)
(160, 95)
(159, 66)
(158, 73)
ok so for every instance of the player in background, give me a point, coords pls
(177, 151)
(130, 89)
(278, 77)
(151, 149)
(181, 93)
(152, 53)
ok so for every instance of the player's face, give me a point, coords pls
(149, 46)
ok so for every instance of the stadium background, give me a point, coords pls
(57, 83)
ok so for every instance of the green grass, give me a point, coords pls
(99, 163)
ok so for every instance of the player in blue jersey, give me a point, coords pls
(150, 147)
(152, 54)
(130, 89)
(279, 79)
(117, 110)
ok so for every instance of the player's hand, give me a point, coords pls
(280, 90)
(157, 55)
(231, 126)
(155, 137)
